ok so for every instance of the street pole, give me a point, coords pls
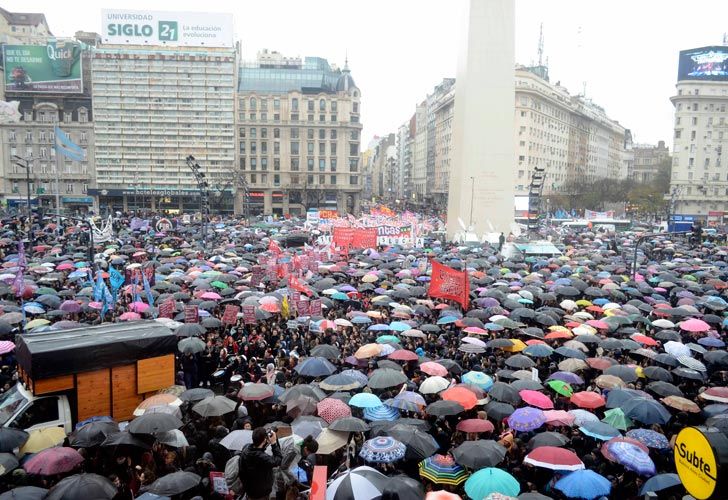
(17, 161)
(58, 189)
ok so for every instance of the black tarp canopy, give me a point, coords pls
(54, 353)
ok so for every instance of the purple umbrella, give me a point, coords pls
(70, 306)
(632, 458)
(526, 419)
(568, 377)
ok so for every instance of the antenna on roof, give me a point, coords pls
(346, 60)
(540, 46)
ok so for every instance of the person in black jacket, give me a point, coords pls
(256, 467)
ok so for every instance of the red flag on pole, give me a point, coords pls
(448, 283)
(295, 284)
(274, 248)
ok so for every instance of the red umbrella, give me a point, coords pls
(129, 316)
(554, 458)
(600, 363)
(644, 339)
(587, 399)
(53, 461)
(330, 409)
(597, 323)
(694, 325)
(717, 394)
(537, 399)
(559, 334)
(270, 307)
(475, 425)
(432, 368)
(403, 355)
(460, 395)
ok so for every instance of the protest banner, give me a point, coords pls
(230, 316)
(249, 314)
(192, 314)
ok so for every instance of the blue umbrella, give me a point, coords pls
(649, 438)
(378, 328)
(479, 379)
(660, 482)
(599, 430)
(339, 296)
(356, 375)
(491, 480)
(399, 326)
(315, 367)
(585, 484)
(446, 320)
(365, 400)
(360, 320)
(632, 457)
(382, 450)
(645, 410)
(494, 327)
(538, 350)
(381, 412)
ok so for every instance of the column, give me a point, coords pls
(267, 202)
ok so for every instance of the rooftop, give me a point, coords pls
(24, 18)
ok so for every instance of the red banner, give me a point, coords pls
(166, 309)
(249, 315)
(192, 314)
(447, 283)
(296, 285)
(365, 238)
(315, 308)
(230, 316)
(303, 307)
(342, 236)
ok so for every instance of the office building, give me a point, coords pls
(403, 159)
(698, 182)
(298, 135)
(648, 159)
(23, 28)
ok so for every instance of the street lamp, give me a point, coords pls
(203, 187)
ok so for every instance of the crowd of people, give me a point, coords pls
(565, 376)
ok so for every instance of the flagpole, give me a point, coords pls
(58, 189)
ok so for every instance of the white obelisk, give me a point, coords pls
(482, 169)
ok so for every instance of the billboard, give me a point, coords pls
(173, 29)
(705, 63)
(52, 68)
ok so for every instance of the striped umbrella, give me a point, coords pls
(381, 412)
(362, 483)
(442, 469)
(382, 450)
(526, 419)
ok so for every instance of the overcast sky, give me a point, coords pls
(625, 51)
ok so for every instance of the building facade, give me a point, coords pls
(403, 159)
(383, 168)
(298, 135)
(647, 161)
(698, 182)
(23, 28)
(154, 107)
(444, 107)
(419, 155)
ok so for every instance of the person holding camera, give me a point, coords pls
(256, 466)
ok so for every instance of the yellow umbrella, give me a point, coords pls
(42, 439)
(368, 351)
(518, 346)
(558, 328)
(370, 278)
(583, 303)
(572, 365)
(36, 323)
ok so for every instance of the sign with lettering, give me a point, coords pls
(698, 455)
(192, 314)
(163, 225)
(230, 316)
(249, 314)
(54, 68)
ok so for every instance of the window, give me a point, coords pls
(242, 163)
(695, 120)
(322, 179)
(253, 133)
(354, 135)
(294, 117)
(40, 411)
(354, 164)
(241, 132)
(309, 105)
(67, 116)
(294, 104)
(252, 117)
(69, 188)
(678, 133)
(294, 180)
(253, 147)
(692, 135)
(85, 188)
(707, 162)
(264, 104)
(332, 147)
(264, 178)
(294, 147)
(322, 105)
(276, 180)
(264, 117)
(253, 164)
(695, 106)
(276, 148)
(353, 149)
(276, 163)
(263, 133)
(309, 147)
(242, 147)
(242, 104)
(84, 138)
(333, 107)
(333, 134)
(322, 118)
(294, 164)
(253, 103)
(333, 179)
(355, 107)
(276, 133)
(16, 189)
(353, 180)
(309, 179)
(253, 178)
(264, 147)
(294, 133)
(276, 117)
(276, 103)
(322, 134)
(264, 163)
(43, 152)
(521, 158)
(322, 164)
(322, 148)
(691, 162)
(333, 164)
(677, 121)
(82, 115)
(333, 118)
(310, 133)
(309, 118)
(309, 164)
(11, 136)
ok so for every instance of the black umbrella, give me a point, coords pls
(125, 438)
(526, 384)
(498, 411)
(444, 408)
(688, 373)
(383, 378)
(174, 483)
(189, 330)
(479, 454)
(547, 438)
(11, 439)
(92, 434)
(403, 488)
(570, 353)
(152, 423)
(25, 493)
(315, 367)
(520, 361)
(657, 373)
(339, 382)
(214, 406)
(8, 463)
(349, 424)
(298, 391)
(452, 366)
(82, 486)
(196, 394)
(326, 351)
(666, 359)
(664, 389)
(420, 445)
(617, 397)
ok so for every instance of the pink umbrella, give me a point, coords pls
(432, 368)
(130, 316)
(139, 307)
(475, 330)
(6, 346)
(331, 409)
(210, 296)
(325, 324)
(597, 323)
(559, 417)
(70, 306)
(66, 266)
(53, 461)
(694, 325)
(96, 305)
(537, 399)
(268, 299)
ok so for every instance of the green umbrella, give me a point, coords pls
(383, 339)
(219, 284)
(617, 419)
(44, 290)
(560, 387)
(491, 480)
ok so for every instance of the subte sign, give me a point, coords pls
(699, 455)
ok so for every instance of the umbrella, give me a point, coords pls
(491, 480)
(599, 430)
(420, 445)
(340, 382)
(196, 394)
(632, 458)
(654, 484)
(548, 438)
(125, 438)
(315, 367)
(152, 423)
(445, 408)
(526, 419)
(331, 409)
(237, 439)
(383, 378)
(349, 424)
(174, 483)
(8, 463)
(299, 390)
(442, 469)
(25, 493)
(504, 393)
(326, 351)
(191, 345)
(433, 385)
(82, 486)
(560, 387)
(554, 458)
(254, 392)
(475, 425)
(404, 487)
(382, 449)
(649, 438)
(92, 434)
(365, 400)
(617, 419)
(587, 399)
(646, 411)
(466, 398)
(585, 484)
(173, 438)
(361, 483)
(434, 369)
(478, 379)
(40, 439)
(381, 412)
(53, 461)
(214, 406)
(479, 454)
(11, 438)
(537, 399)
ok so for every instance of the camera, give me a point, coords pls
(272, 430)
